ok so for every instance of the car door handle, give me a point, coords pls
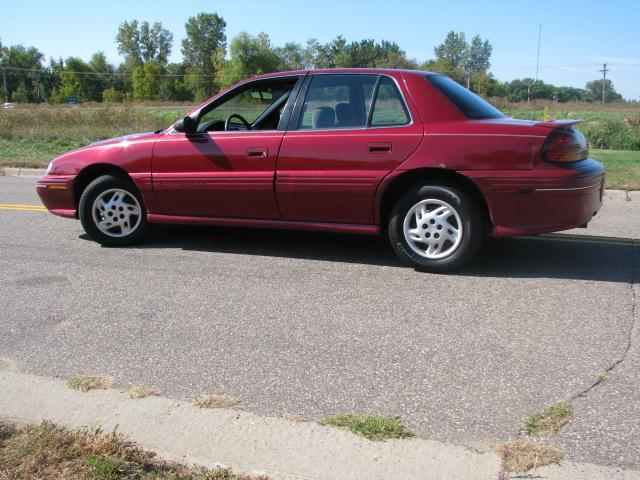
(379, 147)
(257, 152)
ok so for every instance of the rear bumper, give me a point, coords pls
(545, 199)
(56, 193)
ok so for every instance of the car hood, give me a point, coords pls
(125, 138)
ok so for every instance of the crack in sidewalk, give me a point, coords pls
(635, 248)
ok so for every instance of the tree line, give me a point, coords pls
(209, 64)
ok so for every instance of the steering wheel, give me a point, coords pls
(227, 121)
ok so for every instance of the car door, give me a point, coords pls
(227, 168)
(347, 132)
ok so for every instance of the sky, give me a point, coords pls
(577, 36)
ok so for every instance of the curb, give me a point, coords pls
(245, 442)
(23, 172)
(248, 443)
(622, 195)
(611, 195)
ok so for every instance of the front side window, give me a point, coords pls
(256, 107)
(389, 109)
(337, 101)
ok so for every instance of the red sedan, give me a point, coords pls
(409, 153)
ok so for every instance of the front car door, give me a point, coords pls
(227, 168)
(347, 132)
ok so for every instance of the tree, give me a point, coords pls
(174, 86)
(445, 68)
(146, 81)
(295, 57)
(104, 78)
(142, 43)
(328, 55)
(248, 56)
(453, 50)
(369, 53)
(22, 69)
(203, 51)
(477, 57)
(594, 89)
(455, 54)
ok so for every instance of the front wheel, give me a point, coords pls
(112, 212)
(435, 228)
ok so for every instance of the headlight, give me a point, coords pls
(50, 167)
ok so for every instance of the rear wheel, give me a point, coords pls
(112, 212)
(435, 228)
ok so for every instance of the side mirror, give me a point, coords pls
(186, 125)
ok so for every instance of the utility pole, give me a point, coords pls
(4, 79)
(604, 80)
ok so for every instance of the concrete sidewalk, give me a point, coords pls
(279, 448)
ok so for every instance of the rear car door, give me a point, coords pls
(226, 168)
(347, 132)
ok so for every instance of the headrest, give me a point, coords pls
(323, 117)
(345, 114)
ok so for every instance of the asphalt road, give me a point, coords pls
(315, 324)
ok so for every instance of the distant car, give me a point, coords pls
(409, 153)
(8, 105)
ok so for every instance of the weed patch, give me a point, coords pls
(550, 420)
(141, 391)
(520, 456)
(215, 401)
(51, 451)
(373, 427)
(84, 383)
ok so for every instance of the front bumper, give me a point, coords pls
(548, 198)
(56, 193)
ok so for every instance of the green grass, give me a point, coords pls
(51, 451)
(618, 130)
(623, 168)
(550, 420)
(31, 137)
(373, 427)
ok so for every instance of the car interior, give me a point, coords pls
(337, 101)
(258, 107)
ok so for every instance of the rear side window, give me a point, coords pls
(389, 109)
(337, 101)
(471, 104)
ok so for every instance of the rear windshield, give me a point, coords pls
(471, 104)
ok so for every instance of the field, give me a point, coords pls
(30, 136)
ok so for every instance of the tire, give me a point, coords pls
(112, 212)
(450, 219)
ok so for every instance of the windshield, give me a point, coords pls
(471, 104)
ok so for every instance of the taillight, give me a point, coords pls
(565, 145)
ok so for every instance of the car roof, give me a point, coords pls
(376, 71)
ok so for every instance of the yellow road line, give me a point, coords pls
(22, 208)
(20, 205)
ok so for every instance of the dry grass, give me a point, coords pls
(520, 456)
(550, 420)
(84, 383)
(48, 451)
(142, 391)
(215, 401)
(373, 427)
